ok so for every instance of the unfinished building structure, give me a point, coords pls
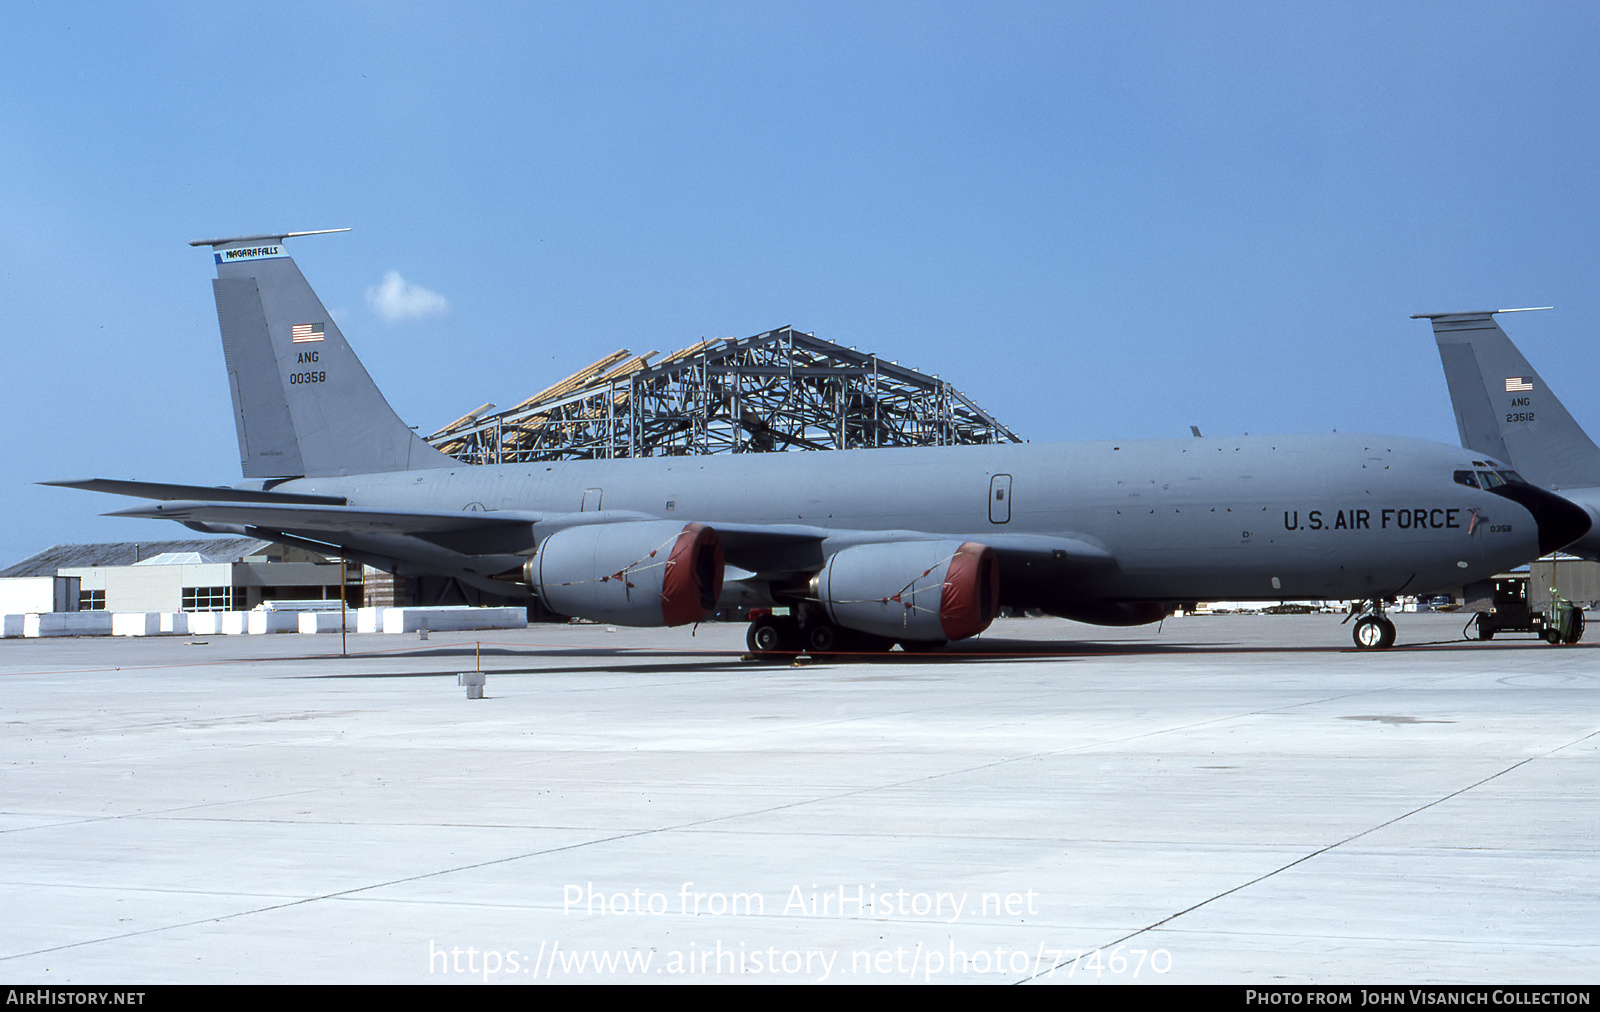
(781, 390)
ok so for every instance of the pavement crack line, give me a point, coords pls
(1316, 853)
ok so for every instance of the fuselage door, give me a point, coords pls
(1000, 499)
(591, 500)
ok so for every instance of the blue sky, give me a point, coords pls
(1100, 220)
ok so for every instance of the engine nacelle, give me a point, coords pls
(646, 572)
(912, 590)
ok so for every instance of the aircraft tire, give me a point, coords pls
(772, 634)
(845, 641)
(823, 638)
(1373, 633)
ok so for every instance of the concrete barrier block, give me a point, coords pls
(67, 623)
(408, 620)
(135, 623)
(205, 623)
(324, 621)
(261, 622)
(394, 621)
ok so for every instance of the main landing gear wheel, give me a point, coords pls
(773, 634)
(822, 638)
(1373, 632)
(826, 638)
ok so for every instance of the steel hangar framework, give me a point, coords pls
(781, 390)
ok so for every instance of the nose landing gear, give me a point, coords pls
(1373, 630)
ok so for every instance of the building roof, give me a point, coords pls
(180, 559)
(129, 553)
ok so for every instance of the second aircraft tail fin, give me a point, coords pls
(303, 403)
(1503, 407)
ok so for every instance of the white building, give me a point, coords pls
(198, 574)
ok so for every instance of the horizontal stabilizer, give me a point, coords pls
(167, 490)
(354, 520)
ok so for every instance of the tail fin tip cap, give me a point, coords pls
(268, 237)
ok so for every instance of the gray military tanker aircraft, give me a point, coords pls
(1505, 412)
(862, 549)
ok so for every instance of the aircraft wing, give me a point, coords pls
(1070, 549)
(759, 548)
(767, 548)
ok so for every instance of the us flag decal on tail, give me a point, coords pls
(1516, 384)
(306, 333)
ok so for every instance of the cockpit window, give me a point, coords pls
(1466, 478)
(1513, 477)
(1490, 479)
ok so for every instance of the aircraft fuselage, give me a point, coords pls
(1280, 517)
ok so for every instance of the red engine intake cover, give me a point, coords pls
(693, 578)
(971, 591)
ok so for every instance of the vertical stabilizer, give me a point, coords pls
(303, 403)
(1503, 407)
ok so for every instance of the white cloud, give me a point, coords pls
(397, 300)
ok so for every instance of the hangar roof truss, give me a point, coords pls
(782, 390)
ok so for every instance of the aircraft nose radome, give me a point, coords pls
(1561, 521)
